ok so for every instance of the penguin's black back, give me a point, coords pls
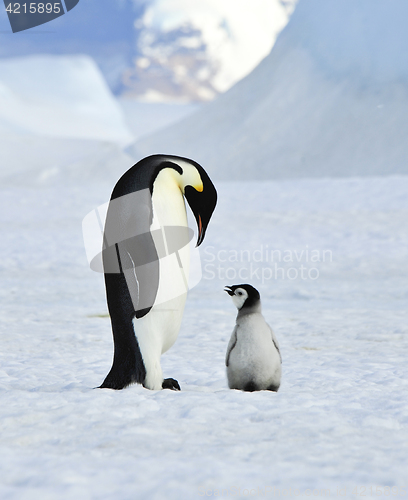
(143, 174)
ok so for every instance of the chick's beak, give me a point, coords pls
(229, 291)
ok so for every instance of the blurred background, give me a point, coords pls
(281, 89)
(118, 70)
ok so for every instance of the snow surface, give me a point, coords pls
(340, 419)
(331, 99)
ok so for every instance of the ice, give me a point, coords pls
(63, 120)
(59, 96)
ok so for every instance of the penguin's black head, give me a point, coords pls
(244, 296)
(202, 201)
(192, 180)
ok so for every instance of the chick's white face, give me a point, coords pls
(239, 297)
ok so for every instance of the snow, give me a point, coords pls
(144, 118)
(59, 96)
(340, 417)
(329, 100)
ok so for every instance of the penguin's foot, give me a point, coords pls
(170, 383)
(250, 387)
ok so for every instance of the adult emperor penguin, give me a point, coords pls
(253, 357)
(146, 262)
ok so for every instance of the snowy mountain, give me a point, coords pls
(160, 50)
(195, 50)
(331, 99)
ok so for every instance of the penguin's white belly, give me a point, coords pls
(158, 330)
(156, 333)
(254, 359)
(169, 211)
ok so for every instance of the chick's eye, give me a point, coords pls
(239, 293)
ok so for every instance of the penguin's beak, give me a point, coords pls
(201, 232)
(202, 203)
(228, 290)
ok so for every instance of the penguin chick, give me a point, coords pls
(253, 358)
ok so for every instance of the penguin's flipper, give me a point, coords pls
(129, 248)
(276, 344)
(231, 345)
(171, 383)
(140, 265)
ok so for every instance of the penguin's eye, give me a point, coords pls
(239, 293)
